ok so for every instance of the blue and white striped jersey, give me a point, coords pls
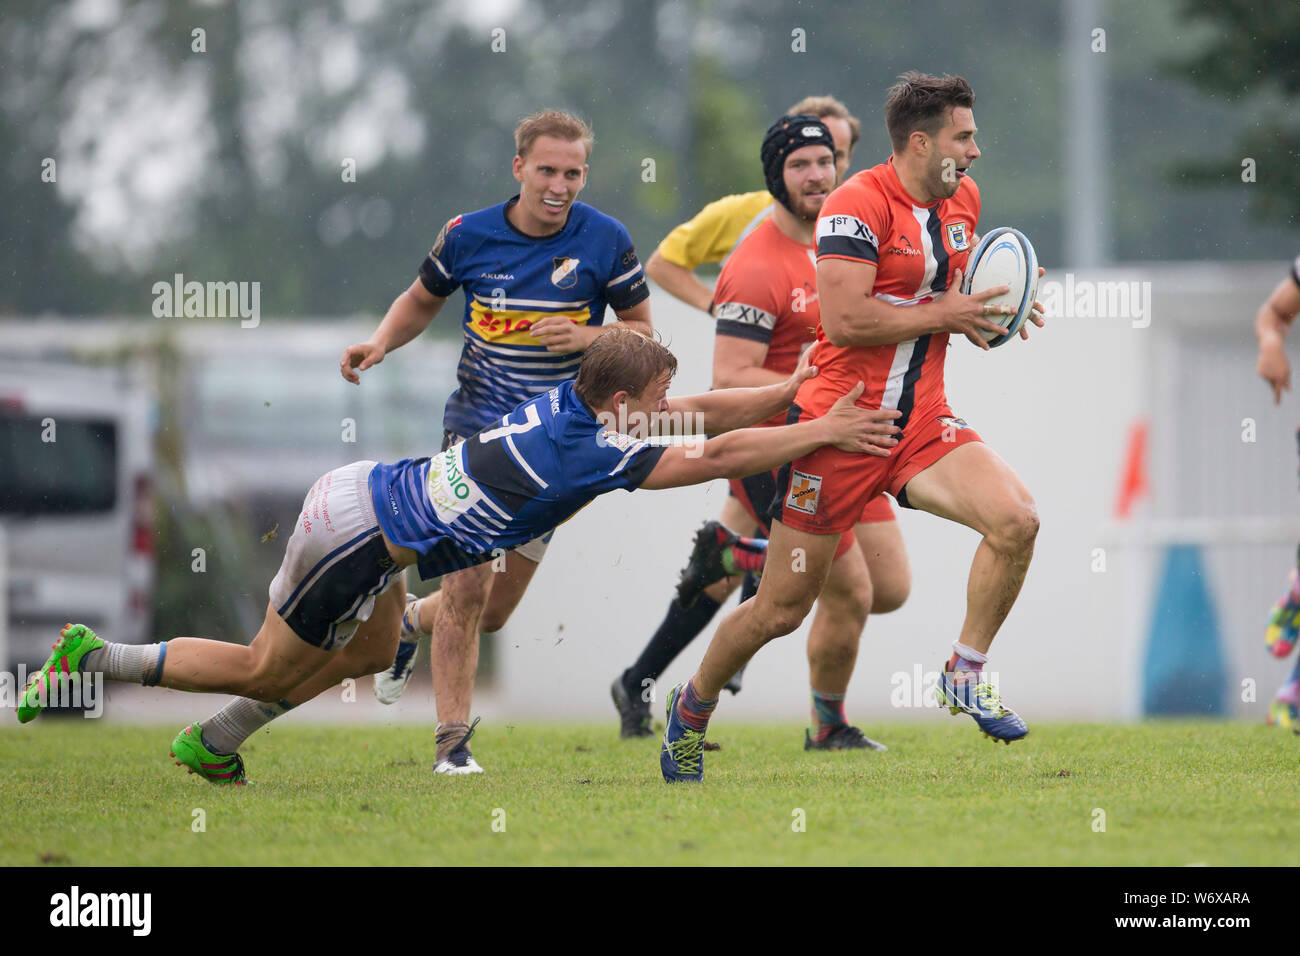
(531, 470)
(512, 280)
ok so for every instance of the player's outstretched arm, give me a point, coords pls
(752, 450)
(408, 316)
(726, 409)
(1271, 325)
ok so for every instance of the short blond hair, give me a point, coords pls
(824, 106)
(555, 123)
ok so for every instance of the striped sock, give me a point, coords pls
(226, 730)
(411, 630)
(135, 663)
(747, 554)
(966, 659)
(691, 710)
(827, 714)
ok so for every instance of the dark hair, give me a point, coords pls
(922, 102)
(621, 360)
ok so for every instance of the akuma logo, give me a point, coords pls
(901, 250)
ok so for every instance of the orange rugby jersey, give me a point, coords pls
(767, 292)
(916, 248)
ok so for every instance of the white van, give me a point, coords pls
(76, 504)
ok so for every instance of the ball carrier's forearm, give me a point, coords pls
(872, 321)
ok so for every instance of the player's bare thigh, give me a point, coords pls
(280, 660)
(796, 569)
(848, 581)
(886, 557)
(374, 645)
(973, 486)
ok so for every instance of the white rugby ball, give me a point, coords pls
(1004, 257)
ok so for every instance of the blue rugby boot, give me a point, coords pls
(964, 692)
(681, 758)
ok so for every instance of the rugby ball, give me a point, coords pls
(1004, 257)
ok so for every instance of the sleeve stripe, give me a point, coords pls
(745, 314)
(434, 260)
(742, 330)
(625, 276)
(844, 247)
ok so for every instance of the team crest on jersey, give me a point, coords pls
(957, 236)
(953, 422)
(805, 489)
(565, 273)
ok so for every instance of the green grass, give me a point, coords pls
(80, 793)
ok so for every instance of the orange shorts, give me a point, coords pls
(827, 491)
(758, 493)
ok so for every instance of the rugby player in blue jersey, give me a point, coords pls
(538, 271)
(340, 582)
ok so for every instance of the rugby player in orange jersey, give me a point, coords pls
(766, 310)
(891, 246)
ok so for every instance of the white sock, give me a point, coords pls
(134, 663)
(975, 660)
(226, 730)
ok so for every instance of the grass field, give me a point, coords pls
(1173, 794)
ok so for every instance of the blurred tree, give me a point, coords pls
(229, 154)
(1251, 54)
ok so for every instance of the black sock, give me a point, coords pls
(680, 626)
(749, 588)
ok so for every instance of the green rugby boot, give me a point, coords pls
(189, 751)
(74, 643)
